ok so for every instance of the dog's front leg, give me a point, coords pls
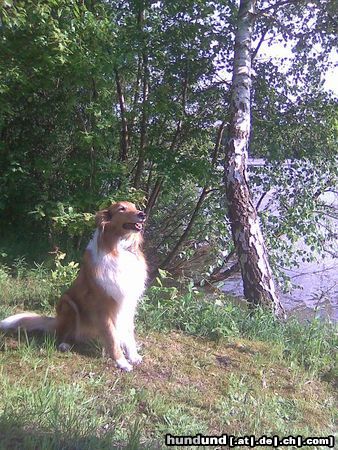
(112, 344)
(130, 347)
(125, 329)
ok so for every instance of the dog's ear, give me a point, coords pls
(102, 217)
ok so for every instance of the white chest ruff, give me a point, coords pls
(122, 277)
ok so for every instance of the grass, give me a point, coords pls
(209, 367)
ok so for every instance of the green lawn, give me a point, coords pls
(209, 367)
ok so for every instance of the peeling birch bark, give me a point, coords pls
(259, 287)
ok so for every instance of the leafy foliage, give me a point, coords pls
(102, 101)
(63, 274)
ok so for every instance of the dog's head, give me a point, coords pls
(122, 217)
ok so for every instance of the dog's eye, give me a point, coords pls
(122, 208)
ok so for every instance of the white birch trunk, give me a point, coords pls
(259, 287)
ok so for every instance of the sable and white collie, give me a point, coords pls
(102, 300)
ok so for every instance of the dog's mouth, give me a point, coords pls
(134, 226)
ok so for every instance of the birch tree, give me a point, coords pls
(258, 283)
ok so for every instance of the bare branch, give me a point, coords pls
(254, 53)
(186, 232)
(260, 200)
(221, 276)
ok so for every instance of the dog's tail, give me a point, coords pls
(30, 322)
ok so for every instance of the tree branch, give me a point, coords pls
(125, 134)
(186, 232)
(254, 53)
(221, 276)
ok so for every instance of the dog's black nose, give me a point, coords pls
(141, 215)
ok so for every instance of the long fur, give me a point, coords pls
(102, 300)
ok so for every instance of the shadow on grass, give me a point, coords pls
(14, 436)
(11, 340)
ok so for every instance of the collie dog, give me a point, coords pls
(102, 300)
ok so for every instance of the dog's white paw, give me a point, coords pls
(123, 364)
(64, 347)
(135, 358)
